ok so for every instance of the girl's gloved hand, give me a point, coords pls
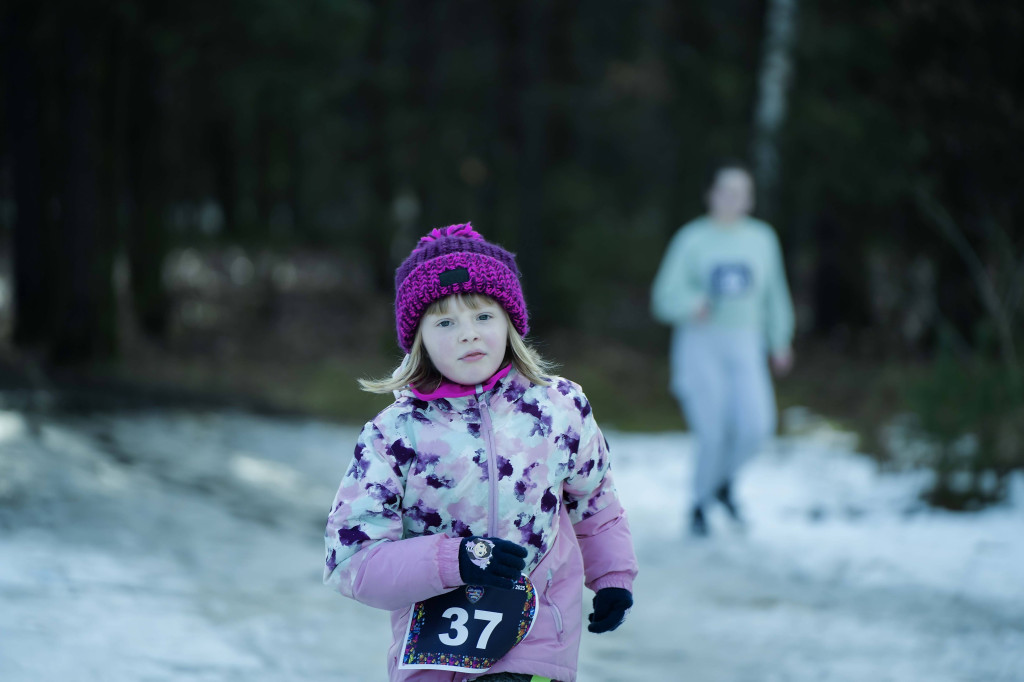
(491, 561)
(610, 607)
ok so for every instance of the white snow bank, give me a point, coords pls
(827, 513)
(182, 546)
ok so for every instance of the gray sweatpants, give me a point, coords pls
(721, 379)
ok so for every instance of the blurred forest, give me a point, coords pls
(214, 196)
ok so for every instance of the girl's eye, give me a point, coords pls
(444, 323)
(484, 316)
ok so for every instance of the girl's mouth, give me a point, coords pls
(473, 357)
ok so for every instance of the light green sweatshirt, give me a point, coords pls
(737, 270)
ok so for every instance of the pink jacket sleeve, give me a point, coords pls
(367, 557)
(607, 547)
(594, 508)
(393, 575)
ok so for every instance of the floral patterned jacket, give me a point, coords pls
(520, 461)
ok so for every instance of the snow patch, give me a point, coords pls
(189, 546)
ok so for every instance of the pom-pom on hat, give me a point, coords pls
(455, 260)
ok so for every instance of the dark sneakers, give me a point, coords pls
(698, 524)
(724, 495)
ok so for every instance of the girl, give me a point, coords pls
(722, 286)
(480, 501)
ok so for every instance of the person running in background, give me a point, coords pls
(722, 287)
(478, 504)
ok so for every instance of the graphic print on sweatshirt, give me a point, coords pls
(729, 280)
(425, 467)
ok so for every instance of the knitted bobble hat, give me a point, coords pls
(455, 260)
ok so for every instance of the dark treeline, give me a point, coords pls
(577, 133)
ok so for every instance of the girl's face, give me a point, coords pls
(466, 344)
(732, 195)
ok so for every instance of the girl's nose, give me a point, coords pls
(469, 332)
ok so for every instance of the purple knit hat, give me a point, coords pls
(455, 260)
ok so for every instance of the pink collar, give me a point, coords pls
(449, 389)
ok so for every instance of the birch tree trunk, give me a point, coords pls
(773, 84)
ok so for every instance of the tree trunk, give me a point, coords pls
(32, 288)
(531, 138)
(770, 111)
(265, 131)
(296, 176)
(112, 106)
(147, 231)
(380, 230)
(85, 324)
(221, 145)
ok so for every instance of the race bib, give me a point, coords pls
(731, 279)
(469, 628)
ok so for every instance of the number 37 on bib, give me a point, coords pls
(469, 628)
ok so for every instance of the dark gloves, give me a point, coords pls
(610, 607)
(491, 561)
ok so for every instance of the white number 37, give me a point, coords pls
(459, 618)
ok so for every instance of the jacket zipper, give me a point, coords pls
(554, 607)
(492, 478)
(492, 463)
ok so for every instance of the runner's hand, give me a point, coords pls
(611, 604)
(491, 561)
(782, 361)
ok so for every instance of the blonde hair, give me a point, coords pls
(417, 369)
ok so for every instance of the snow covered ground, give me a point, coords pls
(183, 546)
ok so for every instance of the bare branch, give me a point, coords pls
(983, 282)
(1015, 292)
(948, 227)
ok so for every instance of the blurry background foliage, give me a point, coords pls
(214, 196)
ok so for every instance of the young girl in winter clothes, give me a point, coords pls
(478, 504)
